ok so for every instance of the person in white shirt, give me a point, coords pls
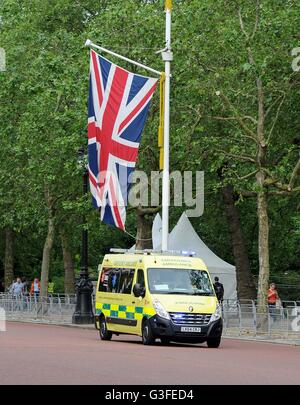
(17, 288)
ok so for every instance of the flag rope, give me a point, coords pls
(161, 120)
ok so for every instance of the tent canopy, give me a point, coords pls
(184, 237)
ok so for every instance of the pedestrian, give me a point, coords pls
(219, 289)
(273, 298)
(25, 286)
(51, 287)
(35, 288)
(2, 288)
(17, 288)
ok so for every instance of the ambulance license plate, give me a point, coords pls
(190, 329)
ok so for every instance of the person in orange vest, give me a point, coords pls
(35, 288)
(273, 297)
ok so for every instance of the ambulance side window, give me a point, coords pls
(103, 283)
(126, 281)
(109, 280)
(141, 278)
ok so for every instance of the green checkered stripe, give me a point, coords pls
(123, 311)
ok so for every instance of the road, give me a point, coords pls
(42, 354)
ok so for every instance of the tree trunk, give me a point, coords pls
(48, 242)
(262, 210)
(9, 258)
(245, 285)
(144, 229)
(263, 248)
(46, 257)
(68, 265)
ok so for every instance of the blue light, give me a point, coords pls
(178, 316)
(187, 253)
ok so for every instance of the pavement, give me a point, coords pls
(47, 354)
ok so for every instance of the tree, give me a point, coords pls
(244, 85)
(68, 264)
(9, 258)
(43, 119)
(245, 285)
(259, 132)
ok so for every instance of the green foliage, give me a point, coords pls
(43, 103)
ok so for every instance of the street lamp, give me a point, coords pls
(84, 287)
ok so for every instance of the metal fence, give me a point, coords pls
(55, 298)
(53, 309)
(51, 299)
(243, 318)
(240, 317)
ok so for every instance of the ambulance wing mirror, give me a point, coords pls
(138, 290)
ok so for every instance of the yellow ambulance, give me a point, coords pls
(166, 296)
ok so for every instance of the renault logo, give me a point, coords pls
(191, 309)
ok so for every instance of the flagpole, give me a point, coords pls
(90, 44)
(167, 58)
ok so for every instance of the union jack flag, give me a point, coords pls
(118, 105)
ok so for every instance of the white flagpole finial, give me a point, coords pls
(88, 42)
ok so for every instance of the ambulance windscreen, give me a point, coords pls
(179, 281)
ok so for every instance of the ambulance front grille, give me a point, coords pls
(179, 318)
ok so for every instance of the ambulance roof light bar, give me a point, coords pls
(153, 251)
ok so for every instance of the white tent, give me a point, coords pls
(184, 237)
(157, 232)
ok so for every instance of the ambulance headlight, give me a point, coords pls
(217, 315)
(160, 310)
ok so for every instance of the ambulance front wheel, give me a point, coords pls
(214, 343)
(147, 334)
(104, 333)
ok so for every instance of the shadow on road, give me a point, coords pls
(159, 344)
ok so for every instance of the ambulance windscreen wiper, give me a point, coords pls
(204, 293)
(180, 293)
